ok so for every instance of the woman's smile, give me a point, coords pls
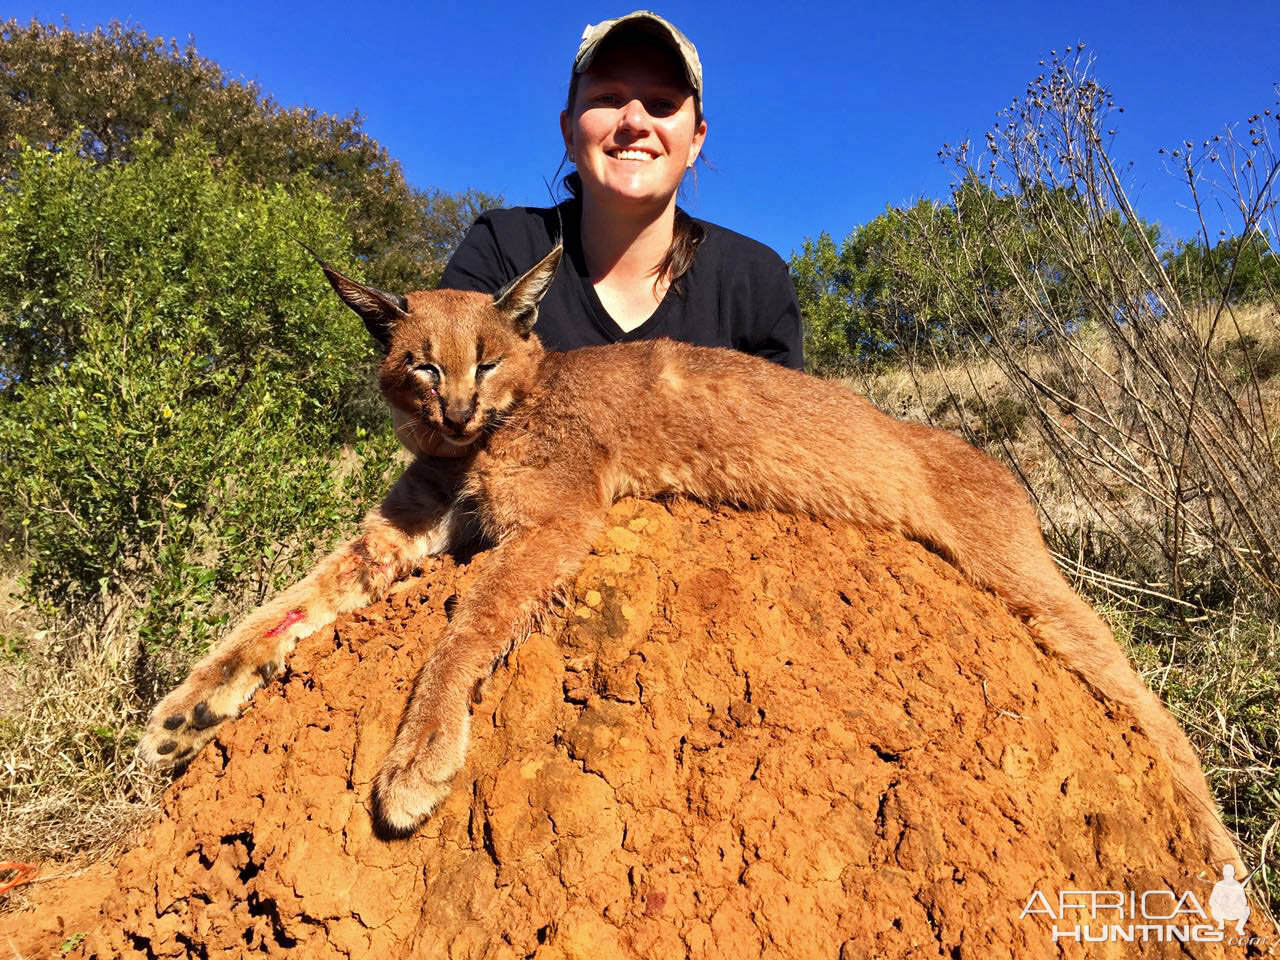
(631, 154)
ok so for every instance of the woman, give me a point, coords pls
(636, 267)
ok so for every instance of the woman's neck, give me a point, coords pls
(625, 247)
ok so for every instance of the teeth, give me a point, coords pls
(632, 155)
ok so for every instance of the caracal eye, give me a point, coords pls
(489, 367)
(430, 371)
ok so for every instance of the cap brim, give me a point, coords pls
(656, 27)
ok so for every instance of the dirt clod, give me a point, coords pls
(744, 735)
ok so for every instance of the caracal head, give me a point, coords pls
(453, 362)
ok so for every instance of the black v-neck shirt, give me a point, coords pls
(737, 293)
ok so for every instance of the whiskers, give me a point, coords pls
(413, 433)
(495, 419)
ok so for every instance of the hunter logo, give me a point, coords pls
(1137, 916)
(1228, 900)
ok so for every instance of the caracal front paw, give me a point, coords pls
(187, 718)
(418, 772)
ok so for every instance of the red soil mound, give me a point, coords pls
(747, 735)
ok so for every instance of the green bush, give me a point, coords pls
(1237, 270)
(881, 297)
(905, 285)
(176, 380)
(104, 90)
(832, 292)
(850, 296)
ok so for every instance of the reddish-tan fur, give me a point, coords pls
(555, 438)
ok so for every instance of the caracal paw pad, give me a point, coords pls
(172, 739)
(185, 720)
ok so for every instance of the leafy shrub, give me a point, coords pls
(175, 380)
(1239, 269)
(105, 89)
(852, 296)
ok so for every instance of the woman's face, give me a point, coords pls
(632, 129)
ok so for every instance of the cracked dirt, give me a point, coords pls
(746, 735)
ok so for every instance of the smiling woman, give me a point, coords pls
(637, 267)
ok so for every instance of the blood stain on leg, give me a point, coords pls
(290, 618)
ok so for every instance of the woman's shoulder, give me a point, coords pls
(501, 244)
(735, 251)
(531, 224)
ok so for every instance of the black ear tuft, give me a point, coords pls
(519, 299)
(379, 310)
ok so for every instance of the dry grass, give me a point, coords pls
(17, 623)
(1076, 452)
(1145, 428)
(66, 748)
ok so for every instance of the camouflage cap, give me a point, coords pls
(594, 34)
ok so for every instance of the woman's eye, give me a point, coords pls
(663, 108)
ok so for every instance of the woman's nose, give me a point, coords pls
(635, 116)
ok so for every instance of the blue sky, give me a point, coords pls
(819, 114)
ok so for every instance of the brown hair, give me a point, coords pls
(687, 234)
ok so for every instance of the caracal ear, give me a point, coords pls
(520, 298)
(379, 310)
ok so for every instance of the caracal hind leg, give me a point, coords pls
(515, 586)
(1074, 633)
(416, 519)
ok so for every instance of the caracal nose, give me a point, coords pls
(456, 416)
